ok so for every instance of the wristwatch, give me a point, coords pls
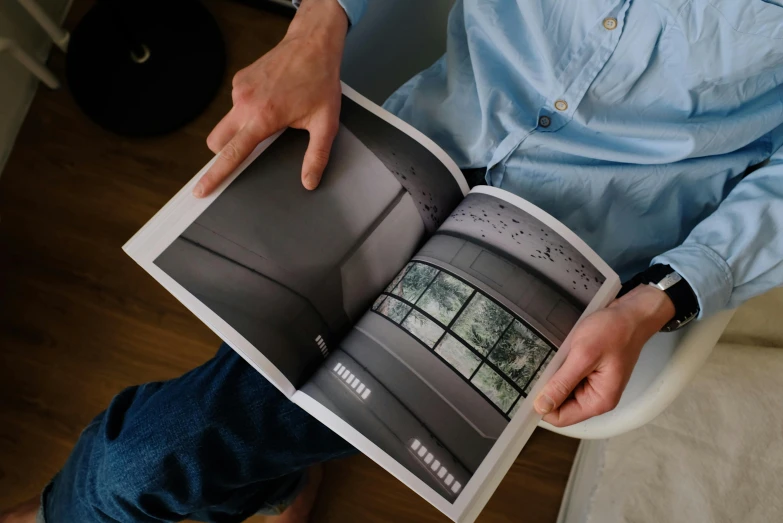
(663, 277)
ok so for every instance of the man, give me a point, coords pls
(636, 123)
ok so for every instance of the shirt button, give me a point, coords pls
(610, 23)
(561, 105)
(544, 121)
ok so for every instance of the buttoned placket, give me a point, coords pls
(576, 78)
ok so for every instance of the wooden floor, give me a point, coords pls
(79, 320)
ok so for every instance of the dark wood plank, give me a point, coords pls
(79, 321)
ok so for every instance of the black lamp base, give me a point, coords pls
(145, 67)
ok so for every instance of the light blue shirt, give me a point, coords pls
(631, 121)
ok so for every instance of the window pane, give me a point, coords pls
(481, 323)
(393, 309)
(459, 356)
(422, 327)
(540, 370)
(519, 352)
(397, 278)
(378, 302)
(495, 387)
(415, 281)
(444, 297)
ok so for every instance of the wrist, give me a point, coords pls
(324, 20)
(648, 306)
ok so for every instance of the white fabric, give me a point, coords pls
(715, 455)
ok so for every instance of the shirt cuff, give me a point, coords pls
(705, 271)
(354, 9)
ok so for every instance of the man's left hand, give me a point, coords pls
(604, 349)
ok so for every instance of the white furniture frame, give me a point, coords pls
(666, 365)
(58, 35)
(35, 67)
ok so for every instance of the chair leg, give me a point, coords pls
(31, 64)
(58, 35)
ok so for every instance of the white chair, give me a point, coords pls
(398, 38)
(666, 365)
(32, 65)
(58, 35)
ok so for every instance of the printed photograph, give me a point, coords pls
(455, 343)
(423, 176)
(292, 270)
(515, 234)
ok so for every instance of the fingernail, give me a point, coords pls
(544, 404)
(310, 181)
(198, 191)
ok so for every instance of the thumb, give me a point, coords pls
(559, 386)
(322, 136)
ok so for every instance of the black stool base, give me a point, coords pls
(145, 67)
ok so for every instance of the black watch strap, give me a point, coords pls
(686, 304)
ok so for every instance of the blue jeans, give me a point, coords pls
(217, 444)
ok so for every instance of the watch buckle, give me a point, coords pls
(678, 324)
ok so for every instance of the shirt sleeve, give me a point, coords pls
(353, 8)
(737, 252)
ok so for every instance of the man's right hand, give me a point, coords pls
(296, 84)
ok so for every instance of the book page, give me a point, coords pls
(436, 382)
(282, 273)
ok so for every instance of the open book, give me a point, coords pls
(414, 318)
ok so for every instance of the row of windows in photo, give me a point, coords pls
(495, 351)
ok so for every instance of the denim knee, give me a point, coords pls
(219, 442)
(124, 468)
